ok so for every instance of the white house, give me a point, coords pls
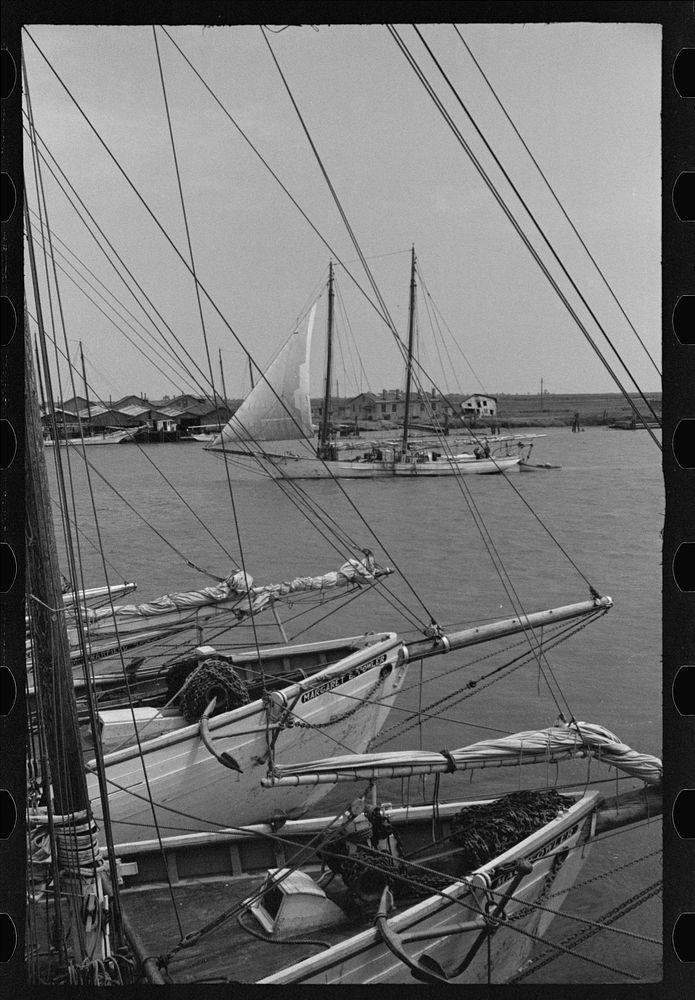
(479, 405)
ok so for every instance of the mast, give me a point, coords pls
(409, 365)
(78, 857)
(87, 910)
(323, 435)
(86, 388)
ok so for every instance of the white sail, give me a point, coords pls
(278, 408)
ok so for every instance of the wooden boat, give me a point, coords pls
(272, 430)
(118, 436)
(255, 767)
(451, 892)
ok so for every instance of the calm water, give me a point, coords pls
(605, 507)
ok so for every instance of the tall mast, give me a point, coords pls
(323, 435)
(81, 900)
(86, 388)
(409, 365)
(77, 860)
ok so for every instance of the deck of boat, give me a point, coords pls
(229, 953)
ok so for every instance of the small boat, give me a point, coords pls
(118, 436)
(202, 433)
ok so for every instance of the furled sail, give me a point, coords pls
(278, 408)
(562, 741)
(236, 592)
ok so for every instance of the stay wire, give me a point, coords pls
(184, 213)
(88, 269)
(106, 240)
(179, 496)
(534, 253)
(555, 197)
(273, 174)
(146, 354)
(542, 234)
(69, 794)
(183, 260)
(528, 506)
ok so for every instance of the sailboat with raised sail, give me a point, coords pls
(272, 430)
(250, 739)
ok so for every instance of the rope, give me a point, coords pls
(212, 679)
(475, 686)
(588, 932)
(485, 177)
(272, 940)
(557, 200)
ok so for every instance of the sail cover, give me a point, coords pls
(278, 408)
(237, 592)
(561, 741)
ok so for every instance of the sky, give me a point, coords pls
(585, 97)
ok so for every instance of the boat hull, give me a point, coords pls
(344, 705)
(557, 853)
(293, 466)
(116, 437)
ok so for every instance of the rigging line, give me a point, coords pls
(533, 219)
(438, 341)
(312, 508)
(426, 870)
(180, 256)
(346, 321)
(70, 551)
(176, 492)
(184, 215)
(367, 270)
(98, 228)
(147, 355)
(440, 319)
(390, 598)
(312, 846)
(89, 270)
(584, 933)
(72, 544)
(232, 500)
(522, 498)
(174, 549)
(169, 483)
(292, 485)
(557, 200)
(470, 690)
(336, 199)
(144, 353)
(273, 174)
(517, 227)
(64, 779)
(561, 630)
(508, 586)
(208, 297)
(149, 212)
(205, 340)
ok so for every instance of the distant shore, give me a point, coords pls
(586, 410)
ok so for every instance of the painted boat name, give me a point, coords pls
(343, 679)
